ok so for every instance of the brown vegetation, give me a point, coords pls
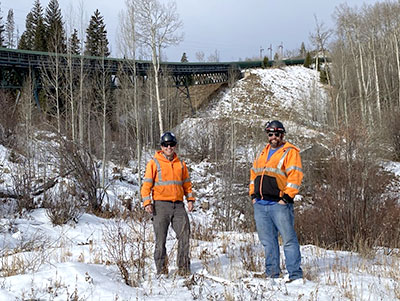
(351, 208)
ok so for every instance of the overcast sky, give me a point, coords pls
(236, 29)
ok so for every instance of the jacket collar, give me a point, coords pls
(161, 157)
(285, 146)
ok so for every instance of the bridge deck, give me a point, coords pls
(36, 59)
(19, 63)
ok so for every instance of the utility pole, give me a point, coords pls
(261, 51)
(281, 49)
(270, 51)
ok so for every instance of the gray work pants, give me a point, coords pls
(166, 213)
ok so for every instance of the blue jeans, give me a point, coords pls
(271, 219)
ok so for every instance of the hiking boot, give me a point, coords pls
(295, 281)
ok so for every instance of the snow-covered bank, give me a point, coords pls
(74, 265)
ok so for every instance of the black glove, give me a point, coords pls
(287, 199)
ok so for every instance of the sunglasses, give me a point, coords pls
(166, 144)
(276, 134)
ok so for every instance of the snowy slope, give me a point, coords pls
(291, 94)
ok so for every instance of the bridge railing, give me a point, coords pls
(24, 60)
(37, 59)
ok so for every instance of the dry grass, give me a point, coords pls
(201, 232)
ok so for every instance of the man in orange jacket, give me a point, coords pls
(165, 182)
(275, 179)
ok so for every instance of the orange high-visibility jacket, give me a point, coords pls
(166, 180)
(282, 174)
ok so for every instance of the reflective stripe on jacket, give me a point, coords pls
(166, 180)
(282, 174)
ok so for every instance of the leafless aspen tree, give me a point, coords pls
(214, 57)
(370, 78)
(52, 77)
(102, 89)
(200, 56)
(128, 45)
(72, 76)
(82, 77)
(157, 26)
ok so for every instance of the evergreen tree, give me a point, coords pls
(323, 76)
(34, 36)
(22, 43)
(303, 51)
(2, 30)
(96, 37)
(56, 41)
(184, 58)
(10, 30)
(40, 41)
(265, 62)
(308, 60)
(28, 36)
(74, 43)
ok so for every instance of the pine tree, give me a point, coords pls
(22, 44)
(56, 41)
(10, 30)
(74, 43)
(2, 30)
(323, 77)
(28, 36)
(34, 36)
(303, 51)
(184, 58)
(96, 37)
(308, 60)
(265, 62)
(40, 41)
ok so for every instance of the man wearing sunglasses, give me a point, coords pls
(275, 179)
(165, 182)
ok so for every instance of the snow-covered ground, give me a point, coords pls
(71, 263)
(40, 261)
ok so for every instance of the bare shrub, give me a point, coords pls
(393, 128)
(27, 256)
(250, 259)
(202, 232)
(81, 166)
(199, 148)
(8, 120)
(63, 204)
(127, 245)
(23, 179)
(244, 209)
(349, 210)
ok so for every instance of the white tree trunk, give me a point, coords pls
(398, 63)
(81, 111)
(378, 99)
(156, 67)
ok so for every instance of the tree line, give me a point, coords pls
(45, 31)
